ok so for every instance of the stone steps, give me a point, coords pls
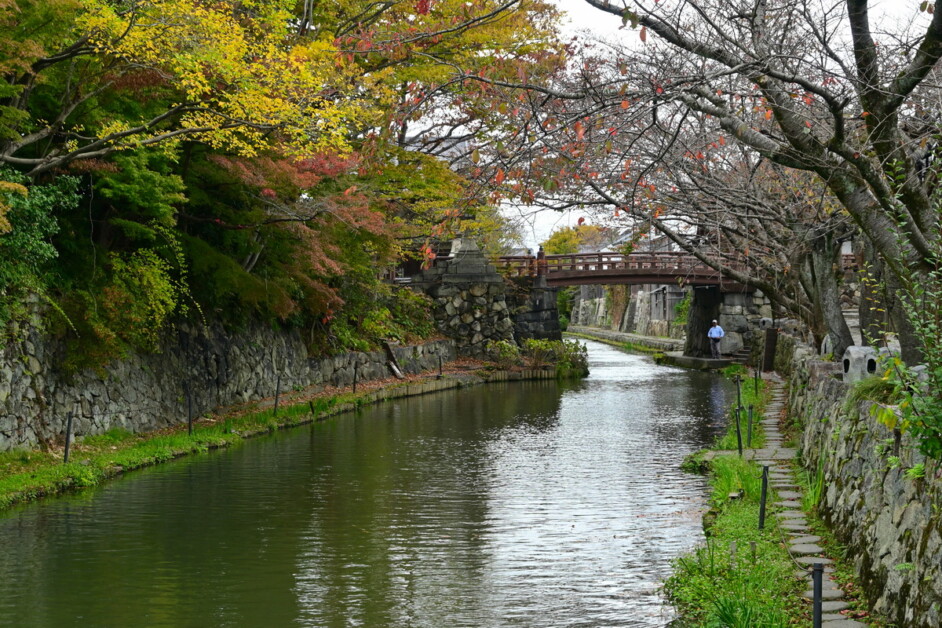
(803, 546)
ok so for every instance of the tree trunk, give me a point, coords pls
(882, 310)
(909, 344)
(825, 261)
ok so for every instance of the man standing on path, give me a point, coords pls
(715, 334)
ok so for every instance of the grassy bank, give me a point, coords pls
(742, 576)
(634, 347)
(28, 475)
(753, 393)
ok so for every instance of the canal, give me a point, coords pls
(517, 504)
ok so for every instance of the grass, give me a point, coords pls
(732, 474)
(873, 389)
(723, 583)
(27, 475)
(742, 576)
(729, 581)
(812, 487)
(757, 397)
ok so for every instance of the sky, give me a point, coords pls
(582, 15)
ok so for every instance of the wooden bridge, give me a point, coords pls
(615, 268)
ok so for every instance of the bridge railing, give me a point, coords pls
(667, 262)
(594, 262)
(589, 262)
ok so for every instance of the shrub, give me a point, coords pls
(504, 353)
(412, 312)
(26, 253)
(682, 309)
(563, 322)
(539, 353)
(570, 357)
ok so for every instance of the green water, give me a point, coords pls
(519, 504)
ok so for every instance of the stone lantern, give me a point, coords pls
(859, 363)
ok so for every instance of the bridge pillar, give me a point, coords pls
(738, 314)
(533, 309)
(469, 298)
(704, 307)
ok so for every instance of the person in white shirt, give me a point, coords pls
(715, 334)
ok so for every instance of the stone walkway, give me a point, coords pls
(803, 545)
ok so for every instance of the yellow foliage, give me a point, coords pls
(7, 187)
(241, 70)
(247, 75)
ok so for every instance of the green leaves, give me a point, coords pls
(142, 190)
(885, 415)
(26, 250)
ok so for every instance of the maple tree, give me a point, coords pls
(236, 76)
(156, 72)
(258, 158)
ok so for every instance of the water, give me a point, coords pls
(524, 504)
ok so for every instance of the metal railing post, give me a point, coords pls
(763, 495)
(817, 577)
(68, 437)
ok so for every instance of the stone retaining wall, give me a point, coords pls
(890, 523)
(591, 309)
(146, 392)
(469, 296)
(739, 316)
(650, 342)
(533, 309)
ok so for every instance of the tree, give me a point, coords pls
(91, 77)
(262, 146)
(801, 84)
(105, 77)
(857, 118)
(569, 240)
(26, 254)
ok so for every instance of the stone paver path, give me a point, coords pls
(803, 545)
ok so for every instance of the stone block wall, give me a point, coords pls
(641, 322)
(890, 523)
(739, 317)
(533, 309)
(591, 309)
(146, 392)
(470, 299)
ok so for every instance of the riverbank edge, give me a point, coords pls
(810, 536)
(623, 340)
(735, 509)
(236, 424)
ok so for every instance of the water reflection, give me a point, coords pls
(522, 504)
